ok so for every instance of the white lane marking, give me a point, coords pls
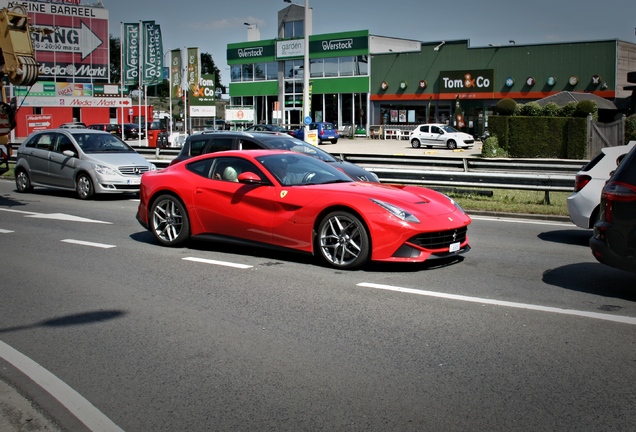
(4, 231)
(221, 263)
(524, 221)
(595, 315)
(85, 243)
(86, 412)
(56, 216)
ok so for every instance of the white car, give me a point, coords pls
(584, 202)
(440, 135)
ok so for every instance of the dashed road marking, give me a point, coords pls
(215, 262)
(85, 243)
(594, 315)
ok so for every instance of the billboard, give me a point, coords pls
(79, 45)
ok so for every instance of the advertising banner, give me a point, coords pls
(131, 49)
(176, 74)
(77, 47)
(153, 54)
(193, 72)
(203, 93)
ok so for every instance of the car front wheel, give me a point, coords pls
(343, 240)
(452, 145)
(23, 181)
(169, 221)
(84, 187)
(415, 143)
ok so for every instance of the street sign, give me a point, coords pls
(307, 120)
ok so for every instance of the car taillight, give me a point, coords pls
(617, 192)
(580, 181)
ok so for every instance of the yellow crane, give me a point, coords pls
(17, 63)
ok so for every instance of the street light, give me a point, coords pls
(306, 112)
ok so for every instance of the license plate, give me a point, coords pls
(454, 247)
(134, 181)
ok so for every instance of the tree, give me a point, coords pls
(115, 61)
(208, 66)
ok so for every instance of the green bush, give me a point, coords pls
(630, 128)
(585, 107)
(490, 148)
(550, 110)
(568, 109)
(505, 107)
(531, 109)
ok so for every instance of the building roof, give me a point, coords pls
(564, 97)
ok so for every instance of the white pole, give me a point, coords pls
(306, 112)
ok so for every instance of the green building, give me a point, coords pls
(368, 80)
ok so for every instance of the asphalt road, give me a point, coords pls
(525, 332)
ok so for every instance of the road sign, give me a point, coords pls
(307, 120)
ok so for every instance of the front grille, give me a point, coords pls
(439, 239)
(133, 170)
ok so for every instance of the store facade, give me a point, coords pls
(367, 80)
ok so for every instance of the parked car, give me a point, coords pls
(84, 160)
(614, 240)
(297, 202)
(440, 135)
(585, 201)
(326, 132)
(214, 141)
(131, 131)
(269, 128)
(73, 125)
(113, 128)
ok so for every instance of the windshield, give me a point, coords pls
(101, 143)
(298, 146)
(296, 170)
(450, 129)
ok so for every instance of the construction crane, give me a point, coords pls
(17, 64)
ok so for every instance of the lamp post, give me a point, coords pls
(306, 113)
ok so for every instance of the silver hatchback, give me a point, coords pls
(87, 161)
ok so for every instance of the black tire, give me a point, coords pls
(415, 143)
(334, 141)
(168, 221)
(23, 181)
(451, 144)
(343, 241)
(84, 187)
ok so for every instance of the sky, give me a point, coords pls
(213, 24)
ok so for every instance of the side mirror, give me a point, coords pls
(69, 153)
(249, 178)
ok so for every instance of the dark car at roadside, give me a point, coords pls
(614, 240)
(115, 129)
(269, 128)
(131, 131)
(215, 141)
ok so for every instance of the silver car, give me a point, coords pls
(85, 160)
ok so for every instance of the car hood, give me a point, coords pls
(417, 200)
(116, 159)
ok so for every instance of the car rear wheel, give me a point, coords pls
(84, 187)
(23, 181)
(415, 143)
(451, 144)
(343, 240)
(169, 221)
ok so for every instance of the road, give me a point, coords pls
(525, 332)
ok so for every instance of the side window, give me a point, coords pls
(219, 144)
(435, 130)
(228, 169)
(45, 141)
(201, 168)
(196, 147)
(246, 144)
(63, 143)
(424, 129)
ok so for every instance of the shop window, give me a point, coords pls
(235, 73)
(259, 71)
(362, 65)
(272, 71)
(331, 67)
(293, 29)
(346, 66)
(317, 68)
(247, 72)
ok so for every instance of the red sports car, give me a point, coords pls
(288, 200)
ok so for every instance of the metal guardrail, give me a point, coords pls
(547, 175)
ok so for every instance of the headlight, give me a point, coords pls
(152, 167)
(396, 211)
(105, 170)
